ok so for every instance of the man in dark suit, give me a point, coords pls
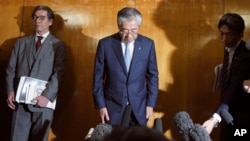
(235, 70)
(125, 72)
(45, 62)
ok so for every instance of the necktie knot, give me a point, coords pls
(39, 42)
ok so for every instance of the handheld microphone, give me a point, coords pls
(126, 116)
(183, 123)
(227, 117)
(158, 125)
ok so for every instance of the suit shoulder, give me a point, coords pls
(109, 38)
(27, 37)
(144, 38)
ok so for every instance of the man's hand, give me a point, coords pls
(41, 101)
(11, 100)
(104, 114)
(246, 86)
(208, 125)
(149, 112)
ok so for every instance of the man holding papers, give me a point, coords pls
(38, 59)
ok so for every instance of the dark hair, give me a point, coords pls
(50, 13)
(233, 21)
(127, 14)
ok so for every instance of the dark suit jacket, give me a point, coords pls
(46, 64)
(113, 87)
(233, 97)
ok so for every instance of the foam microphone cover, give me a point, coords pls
(183, 123)
(227, 117)
(100, 131)
(198, 133)
(126, 116)
(158, 125)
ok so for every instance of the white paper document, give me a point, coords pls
(29, 88)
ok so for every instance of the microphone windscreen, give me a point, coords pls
(183, 123)
(199, 133)
(100, 131)
(227, 116)
(126, 116)
(158, 125)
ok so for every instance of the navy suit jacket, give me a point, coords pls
(233, 97)
(113, 87)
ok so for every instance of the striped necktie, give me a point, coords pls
(38, 42)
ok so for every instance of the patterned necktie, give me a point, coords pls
(225, 70)
(38, 43)
(127, 56)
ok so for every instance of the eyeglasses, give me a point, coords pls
(127, 32)
(41, 18)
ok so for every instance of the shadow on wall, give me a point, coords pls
(74, 114)
(5, 50)
(192, 63)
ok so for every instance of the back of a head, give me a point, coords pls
(141, 133)
(233, 21)
(100, 131)
(136, 133)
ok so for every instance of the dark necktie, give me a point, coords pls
(127, 56)
(225, 70)
(38, 43)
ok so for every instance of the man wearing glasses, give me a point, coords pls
(40, 56)
(126, 73)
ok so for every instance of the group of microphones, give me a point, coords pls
(101, 130)
(189, 130)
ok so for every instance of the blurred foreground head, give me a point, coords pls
(137, 133)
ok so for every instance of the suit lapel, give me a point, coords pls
(138, 52)
(30, 50)
(117, 47)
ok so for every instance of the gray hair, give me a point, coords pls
(128, 14)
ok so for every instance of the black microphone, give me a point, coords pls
(227, 117)
(100, 131)
(158, 125)
(183, 123)
(198, 133)
(126, 116)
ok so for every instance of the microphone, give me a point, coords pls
(183, 123)
(126, 116)
(199, 133)
(227, 117)
(158, 125)
(100, 131)
(88, 136)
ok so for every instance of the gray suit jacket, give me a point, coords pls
(46, 64)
